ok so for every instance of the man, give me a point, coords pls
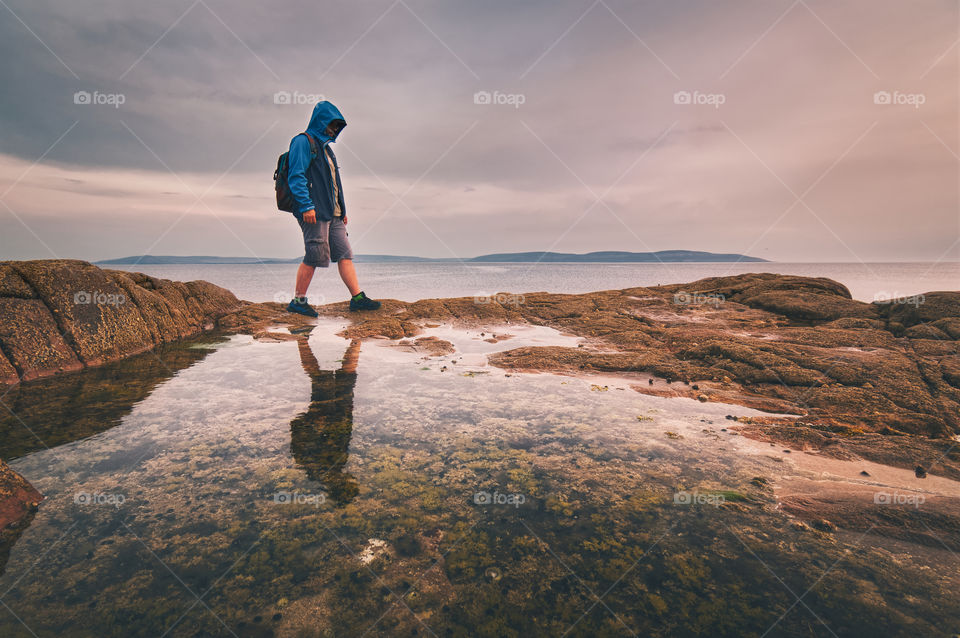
(314, 180)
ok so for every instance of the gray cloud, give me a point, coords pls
(598, 107)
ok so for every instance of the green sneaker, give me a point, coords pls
(361, 301)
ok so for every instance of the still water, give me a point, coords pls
(411, 281)
(324, 487)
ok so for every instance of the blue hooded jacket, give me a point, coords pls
(311, 182)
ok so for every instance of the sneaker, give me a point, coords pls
(301, 307)
(363, 302)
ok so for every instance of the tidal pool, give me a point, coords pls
(323, 487)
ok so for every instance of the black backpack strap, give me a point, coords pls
(313, 145)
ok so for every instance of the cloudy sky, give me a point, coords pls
(803, 130)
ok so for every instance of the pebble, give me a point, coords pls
(920, 472)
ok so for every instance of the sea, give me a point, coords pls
(410, 281)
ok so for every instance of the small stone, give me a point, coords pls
(786, 451)
(695, 387)
(921, 472)
(864, 473)
(824, 525)
(650, 381)
(702, 398)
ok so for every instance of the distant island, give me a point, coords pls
(604, 256)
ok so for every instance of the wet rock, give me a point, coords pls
(17, 497)
(18, 503)
(61, 315)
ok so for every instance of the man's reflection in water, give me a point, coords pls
(320, 437)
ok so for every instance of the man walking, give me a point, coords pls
(314, 180)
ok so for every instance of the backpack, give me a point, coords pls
(285, 199)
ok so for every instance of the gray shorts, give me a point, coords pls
(324, 242)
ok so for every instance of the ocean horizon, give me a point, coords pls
(410, 281)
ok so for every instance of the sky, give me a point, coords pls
(793, 130)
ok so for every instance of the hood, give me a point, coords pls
(324, 113)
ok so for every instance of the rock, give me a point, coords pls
(924, 308)
(18, 503)
(32, 342)
(62, 315)
(824, 525)
(17, 497)
(920, 472)
(798, 298)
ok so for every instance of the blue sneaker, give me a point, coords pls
(300, 306)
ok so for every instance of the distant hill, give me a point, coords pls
(618, 256)
(605, 256)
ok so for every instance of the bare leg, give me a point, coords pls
(304, 275)
(349, 275)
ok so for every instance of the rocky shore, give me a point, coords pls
(64, 315)
(848, 378)
(784, 344)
